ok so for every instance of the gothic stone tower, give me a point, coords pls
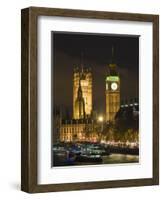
(112, 91)
(80, 104)
(84, 76)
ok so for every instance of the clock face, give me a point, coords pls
(114, 86)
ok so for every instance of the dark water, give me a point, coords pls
(113, 158)
(120, 158)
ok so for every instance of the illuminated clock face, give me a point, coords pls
(114, 86)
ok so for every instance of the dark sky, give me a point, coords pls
(66, 54)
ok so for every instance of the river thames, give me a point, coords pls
(113, 159)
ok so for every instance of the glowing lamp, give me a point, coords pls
(100, 119)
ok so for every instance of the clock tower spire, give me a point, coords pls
(112, 55)
(112, 90)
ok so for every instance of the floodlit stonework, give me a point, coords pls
(112, 91)
(82, 80)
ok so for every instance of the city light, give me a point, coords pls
(100, 119)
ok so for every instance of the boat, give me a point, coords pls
(88, 158)
(63, 157)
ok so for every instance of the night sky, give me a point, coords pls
(97, 50)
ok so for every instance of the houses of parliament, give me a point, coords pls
(82, 125)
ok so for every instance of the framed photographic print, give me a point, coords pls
(90, 100)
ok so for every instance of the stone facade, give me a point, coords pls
(77, 130)
(84, 77)
(112, 93)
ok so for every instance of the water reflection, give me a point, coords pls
(120, 158)
(92, 154)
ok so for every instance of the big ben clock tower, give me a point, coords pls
(112, 90)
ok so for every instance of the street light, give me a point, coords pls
(100, 119)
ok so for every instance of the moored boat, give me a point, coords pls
(88, 158)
